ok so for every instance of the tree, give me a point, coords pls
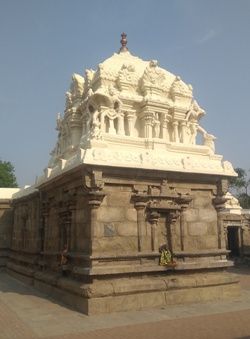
(7, 174)
(239, 187)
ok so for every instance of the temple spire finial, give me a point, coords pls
(123, 43)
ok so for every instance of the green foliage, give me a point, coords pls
(241, 182)
(239, 187)
(7, 174)
(244, 200)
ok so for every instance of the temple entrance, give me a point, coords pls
(233, 241)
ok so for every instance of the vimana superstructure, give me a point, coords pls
(128, 212)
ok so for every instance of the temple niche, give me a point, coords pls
(128, 213)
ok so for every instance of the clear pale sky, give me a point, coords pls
(43, 42)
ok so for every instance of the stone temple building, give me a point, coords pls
(128, 213)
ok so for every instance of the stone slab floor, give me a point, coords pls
(26, 313)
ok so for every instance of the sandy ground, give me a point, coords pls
(26, 313)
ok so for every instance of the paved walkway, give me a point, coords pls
(26, 314)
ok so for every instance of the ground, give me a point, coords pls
(26, 314)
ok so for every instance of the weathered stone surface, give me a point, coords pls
(197, 228)
(127, 229)
(212, 228)
(111, 214)
(100, 229)
(202, 200)
(115, 245)
(131, 214)
(211, 242)
(81, 215)
(207, 215)
(118, 198)
(192, 215)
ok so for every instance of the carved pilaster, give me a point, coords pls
(44, 226)
(130, 120)
(111, 126)
(76, 130)
(93, 181)
(184, 202)
(93, 185)
(64, 230)
(95, 200)
(176, 131)
(140, 209)
(73, 228)
(165, 133)
(121, 130)
(222, 187)
(148, 125)
(140, 199)
(154, 218)
(219, 202)
(172, 218)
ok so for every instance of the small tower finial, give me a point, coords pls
(123, 43)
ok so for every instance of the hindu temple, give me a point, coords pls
(128, 213)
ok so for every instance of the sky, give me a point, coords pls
(42, 43)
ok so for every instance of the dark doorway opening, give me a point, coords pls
(233, 241)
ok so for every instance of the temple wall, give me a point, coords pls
(201, 221)
(6, 223)
(26, 226)
(6, 218)
(115, 223)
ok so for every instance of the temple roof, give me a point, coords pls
(132, 113)
(132, 75)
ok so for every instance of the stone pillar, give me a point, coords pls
(111, 126)
(184, 202)
(154, 217)
(140, 208)
(95, 200)
(44, 246)
(130, 119)
(219, 206)
(221, 234)
(165, 133)
(73, 231)
(148, 125)
(176, 131)
(76, 131)
(68, 224)
(121, 124)
(183, 227)
(172, 217)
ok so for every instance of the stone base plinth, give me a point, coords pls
(141, 301)
(134, 293)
